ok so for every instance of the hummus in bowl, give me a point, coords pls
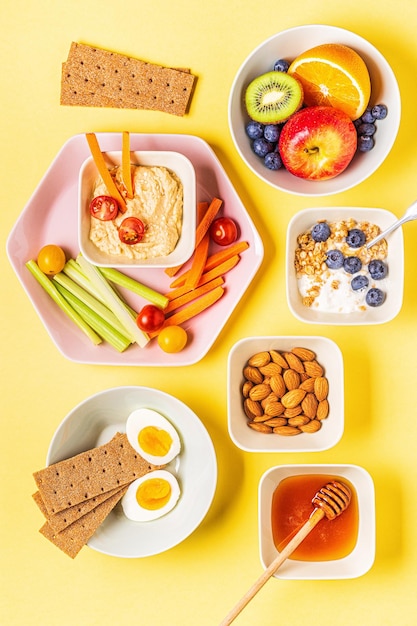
(164, 201)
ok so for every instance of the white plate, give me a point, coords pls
(95, 420)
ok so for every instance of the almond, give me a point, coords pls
(294, 362)
(274, 408)
(276, 421)
(287, 431)
(277, 385)
(278, 358)
(322, 410)
(291, 379)
(299, 420)
(321, 388)
(252, 408)
(312, 427)
(247, 386)
(259, 392)
(259, 359)
(304, 354)
(313, 368)
(270, 369)
(261, 418)
(271, 398)
(253, 374)
(308, 385)
(309, 405)
(259, 427)
(293, 397)
(294, 411)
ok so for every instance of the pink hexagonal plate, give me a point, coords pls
(51, 217)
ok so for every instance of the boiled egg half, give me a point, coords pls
(151, 496)
(152, 436)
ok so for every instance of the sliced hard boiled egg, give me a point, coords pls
(152, 436)
(151, 496)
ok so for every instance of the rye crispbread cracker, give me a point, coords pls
(74, 537)
(100, 78)
(59, 521)
(89, 474)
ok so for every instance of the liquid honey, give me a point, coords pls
(292, 506)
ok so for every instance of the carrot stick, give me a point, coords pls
(202, 229)
(215, 259)
(193, 294)
(192, 309)
(198, 263)
(104, 172)
(219, 270)
(126, 165)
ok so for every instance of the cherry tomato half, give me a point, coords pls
(131, 230)
(51, 259)
(104, 208)
(172, 339)
(223, 231)
(150, 318)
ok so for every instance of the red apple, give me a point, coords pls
(317, 143)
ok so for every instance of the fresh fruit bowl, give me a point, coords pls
(288, 45)
(325, 308)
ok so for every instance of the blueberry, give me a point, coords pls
(334, 260)
(365, 143)
(352, 264)
(281, 65)
(359, 282)
(261, 147)
(355, 238)
(379, 111)
(254, 130)
(377, 269)
(320, 231)
(375, 297)
(367, 116)
(366, 128)
(271, 132)
(273, 161)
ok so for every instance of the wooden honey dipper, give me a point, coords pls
(330, 501)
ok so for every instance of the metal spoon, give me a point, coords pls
(330, 501)
(410, 214)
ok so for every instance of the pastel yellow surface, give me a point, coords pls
(196, 583)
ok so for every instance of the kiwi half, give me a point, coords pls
(273, 97)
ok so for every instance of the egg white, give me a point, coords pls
(135, 512)
(139, 419)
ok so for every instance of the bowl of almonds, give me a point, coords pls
(285, 394)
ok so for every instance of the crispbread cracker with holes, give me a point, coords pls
(86, 475)
(74, 537)
(101, 78)
(59, 521)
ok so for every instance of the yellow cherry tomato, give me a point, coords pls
(51, 259)
(172, 339)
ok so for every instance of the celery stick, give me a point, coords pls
(113, 301)
(133, 285)
(89, 300)
(53, 292)
(104, 329)
(73, 271)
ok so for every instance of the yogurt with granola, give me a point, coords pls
(336, 273)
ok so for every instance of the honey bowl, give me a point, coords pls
(335, 549)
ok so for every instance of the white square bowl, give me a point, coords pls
(174, 161)
(304, 221)
(328, 355)
(355, 564)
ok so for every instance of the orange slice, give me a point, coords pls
(333, 75)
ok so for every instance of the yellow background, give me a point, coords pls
(196, 583)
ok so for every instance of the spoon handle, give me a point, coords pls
(312, 521)
(411, 214)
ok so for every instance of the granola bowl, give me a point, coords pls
(312, 423)
(366, 289)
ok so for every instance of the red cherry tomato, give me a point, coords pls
(223, 231)
(104, 208)
(150, 318)
(131, 230)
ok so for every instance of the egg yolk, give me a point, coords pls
(155, 441)
(153, 494)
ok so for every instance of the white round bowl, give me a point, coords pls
(94, 421)
(288, 44)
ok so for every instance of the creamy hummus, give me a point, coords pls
(157, 202)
